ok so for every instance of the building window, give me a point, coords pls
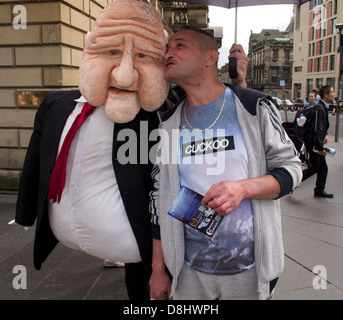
(313, 4)
(275, 54)
(315, 65)
(298, 69)
(286, 74)
(274, 75)
(329, 9)
(332, 62)
(256, 79)
(324, 13)
(319, 82)
(334, 44)
(311, 34)
(333, 30)
(325, 63)
(331, 82)
(318, 31)
(287, 54)
(321, 47)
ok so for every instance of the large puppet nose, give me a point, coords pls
(125, 74)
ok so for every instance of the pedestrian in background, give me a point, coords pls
(316, 136)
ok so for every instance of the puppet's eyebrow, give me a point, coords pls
(100, 41)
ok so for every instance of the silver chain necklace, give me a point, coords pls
(214, 122)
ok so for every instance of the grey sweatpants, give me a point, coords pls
(195, 285)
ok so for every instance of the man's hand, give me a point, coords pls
(160, 282)
(226, 196)
(322, 153)
(237, 51)
(160, 285)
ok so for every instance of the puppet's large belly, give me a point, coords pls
(95, 224)
(91, 216)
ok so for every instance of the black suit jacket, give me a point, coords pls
(317, 126)
(133, 178)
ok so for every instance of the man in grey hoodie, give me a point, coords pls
(241, 181)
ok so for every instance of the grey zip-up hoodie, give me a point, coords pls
(270, 151)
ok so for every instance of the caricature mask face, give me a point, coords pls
(122, 64)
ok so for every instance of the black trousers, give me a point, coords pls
(137, 281)
(317, 165)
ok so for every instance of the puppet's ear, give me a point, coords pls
(166, 35)
(87, 37)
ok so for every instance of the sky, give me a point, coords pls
(253, 18)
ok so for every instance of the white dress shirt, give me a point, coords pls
(91, 216)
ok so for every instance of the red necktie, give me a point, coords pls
(58, 176)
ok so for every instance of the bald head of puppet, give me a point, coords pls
(122, 66)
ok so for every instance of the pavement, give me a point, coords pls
(313, 240)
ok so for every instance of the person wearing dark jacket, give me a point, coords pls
(316, 136)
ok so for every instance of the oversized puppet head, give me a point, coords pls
(122, 65)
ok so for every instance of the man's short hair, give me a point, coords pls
(206, 40)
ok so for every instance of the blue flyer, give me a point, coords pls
(187, 208)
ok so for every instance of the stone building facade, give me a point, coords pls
(270, 61)
(316, 60)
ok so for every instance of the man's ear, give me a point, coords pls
(212, 57)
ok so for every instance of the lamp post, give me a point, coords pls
(339, 27)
